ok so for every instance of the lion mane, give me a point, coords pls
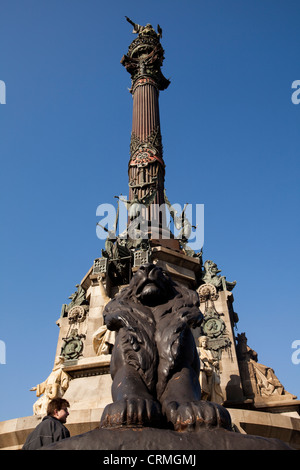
(152, 335)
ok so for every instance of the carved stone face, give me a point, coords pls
(151, 285)
(203, 342)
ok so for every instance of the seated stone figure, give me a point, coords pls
(154, 364)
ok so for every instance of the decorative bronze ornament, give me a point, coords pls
(72, 347)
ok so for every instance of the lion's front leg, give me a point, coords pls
(133, 405)
(183, 407)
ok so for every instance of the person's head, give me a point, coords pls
(58, 408)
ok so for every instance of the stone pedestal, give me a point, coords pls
(229, 369)
(182, 268)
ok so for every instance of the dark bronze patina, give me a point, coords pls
(154, 364)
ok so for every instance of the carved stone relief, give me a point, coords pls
(259, 381)
(213, 326)
(209, 373)
(53, 387)
(103, 339)
(76, 312)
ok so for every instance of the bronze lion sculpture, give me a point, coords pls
(154, 363)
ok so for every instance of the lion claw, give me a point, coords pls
(131, 412)
(193, 415)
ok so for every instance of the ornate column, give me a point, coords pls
(146, 166)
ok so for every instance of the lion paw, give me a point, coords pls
(191, 416)
(131, 412)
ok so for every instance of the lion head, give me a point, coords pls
(151, 285)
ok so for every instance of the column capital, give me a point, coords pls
(145, 57)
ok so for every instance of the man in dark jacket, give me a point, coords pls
(51, 429)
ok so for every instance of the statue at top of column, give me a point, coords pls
(137, 29)
(145, 55)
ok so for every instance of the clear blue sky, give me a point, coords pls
(231, 142)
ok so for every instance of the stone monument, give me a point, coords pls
(150, 324)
